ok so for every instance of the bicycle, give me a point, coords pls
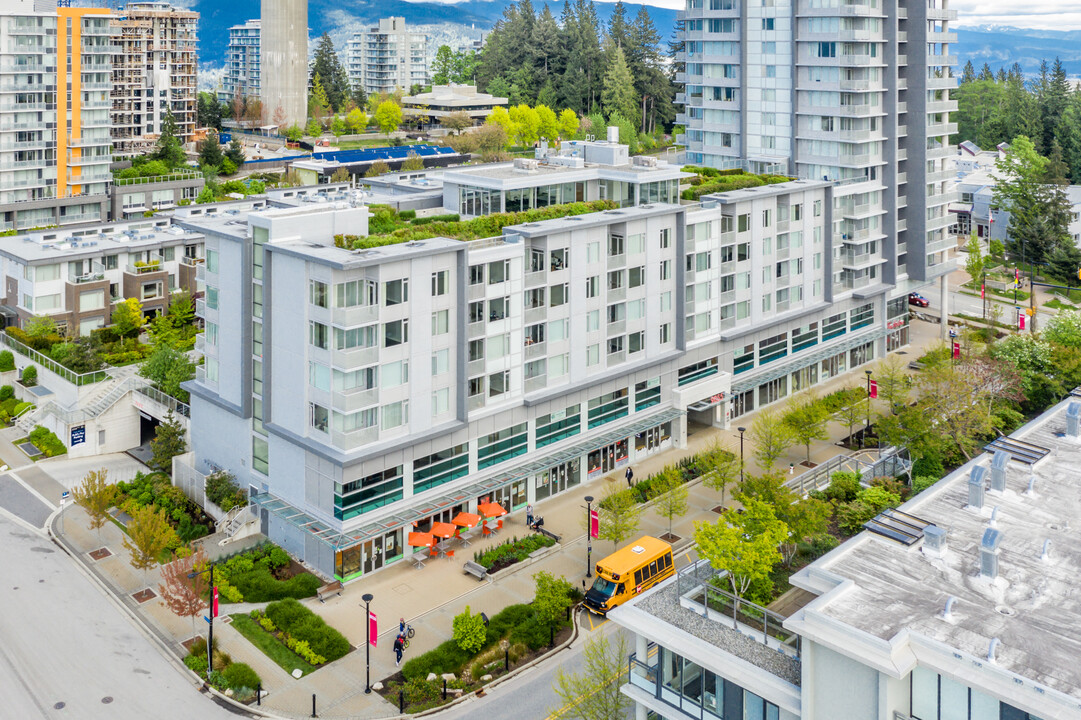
(409, 632)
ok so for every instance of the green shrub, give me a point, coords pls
(258, 585)
(878, 498)
(519, 548)
(929, 465)
(240, 675)
(222, 490)
(534, 632)
(447, 657)
(469, 631)
(7, 361)
(407, 214)
(7, 392)
(852, 515)
(197, 662)
(30, 376)
(302, 624)
(45, 441)
(922, 482)
(506, 620)
(843, 487)
(817, 546)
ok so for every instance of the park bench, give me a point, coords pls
(329, 589)
(476, 570)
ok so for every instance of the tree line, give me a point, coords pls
(579, 63)
(995, 108)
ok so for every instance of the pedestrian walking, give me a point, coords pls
(529, 515)
(399, 645)
(630, 476)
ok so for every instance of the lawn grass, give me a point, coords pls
(269, 645)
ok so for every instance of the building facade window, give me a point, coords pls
(502, 445)
(441, 467)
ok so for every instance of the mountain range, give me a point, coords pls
(999, 46)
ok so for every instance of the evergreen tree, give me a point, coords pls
(1068, 136)
(544, 44)
(1053, 102)
(168, 442)
(654, 86)
(619, 30)
(168, 148)
(235, 152)
(619, 96)
(208, 111)
(328, 68)
(210, 154)
(985, 72)
(969, 73)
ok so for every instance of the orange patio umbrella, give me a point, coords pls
(419, 539)
(466, 519)
(442, 530)
(491, 510)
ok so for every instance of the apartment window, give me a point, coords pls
(476, 312)
(615, 245)
(772, 348)
(440, 322)
(697, 371)
(608, 407)
(666, 270)
(636, 244)
(211, 261)
(439, 283)
(498, 309)
(319, 417)
(111, 261)
(558, 425)
(395, 333)
(395, 415)
(535, 368)
(768, 23)
(476, 274)
(441, 402)
(558, 365)
(317, 293)
(476, 386)
(593, 252)
(318, 335)
(593, 320)
(615, 345)
(355, 293)
(360, 337)
(636, 277)
(440, 467)
(534, 334)
(636, 342)
(476, 350)
(666, 237)
(498, 383)
(396, 292)
(559, 294)
(498, 271)
(805, 337)
(557, 330)
(558, 260)
(743, 222)
(615, 279)
(394, 374)
(593, 355)
(593, 286)
(665, 334)
(862, 316)
(319, 376)
(617, 312)
(818, 208)
(362, 379)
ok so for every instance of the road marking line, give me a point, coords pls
(32, 491)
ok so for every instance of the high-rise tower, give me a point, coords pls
(283, 50)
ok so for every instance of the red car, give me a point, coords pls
(918, 300)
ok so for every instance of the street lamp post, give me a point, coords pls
(867, 427)
(589, 535)
(367, 598)
(741, 431)
(210, 613)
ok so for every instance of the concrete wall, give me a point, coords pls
(836, 686)
(116, 430)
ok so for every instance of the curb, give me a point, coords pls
(148, 632)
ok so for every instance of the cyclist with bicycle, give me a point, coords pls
(402, 641)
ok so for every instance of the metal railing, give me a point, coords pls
(171, 177)
(697, 583)
(891, 462)
(77, 379)
(178, 407)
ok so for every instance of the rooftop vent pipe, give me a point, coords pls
(947, 613)
(934, 541)
(994, 516)
(998, 470)
(1046, 554)
(1073, 419)
(613, 137)
(991, 649)
(975, 486)
(989, 553)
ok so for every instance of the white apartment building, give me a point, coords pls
(848, 90)
(960, 604)
(153, 74)
(76, 276)
(386, 57)
(426, 368)
(55, 145)
(242, 66)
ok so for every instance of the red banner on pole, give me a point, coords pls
(983, 292)
(373, 629)
(1020, 319)
(956, 350)
(872, 389)
(214, 607)
(594, 524)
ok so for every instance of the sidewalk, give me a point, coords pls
(431, 596)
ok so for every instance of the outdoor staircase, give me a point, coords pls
(238, 523)
(108, 394)
(29, 418)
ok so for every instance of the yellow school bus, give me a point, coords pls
(629, 572)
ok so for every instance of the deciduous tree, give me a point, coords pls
(669, 495)
(388, 116)
(893, 381)
(457, 121)
(149, 533)
(95, 495)
(128, 318)
(719, 467)
(806, 418)
(619, 514)
(183, 595)
(745, 544)
(771, 436)
(594, 693)
(551, 598)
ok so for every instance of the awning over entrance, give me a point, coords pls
(707, 403)
(782, 369)
(422, 507)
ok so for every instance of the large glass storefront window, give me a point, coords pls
(608, 458)
(369, 555)
(557, 479)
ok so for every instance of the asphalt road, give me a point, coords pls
(67, 652)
